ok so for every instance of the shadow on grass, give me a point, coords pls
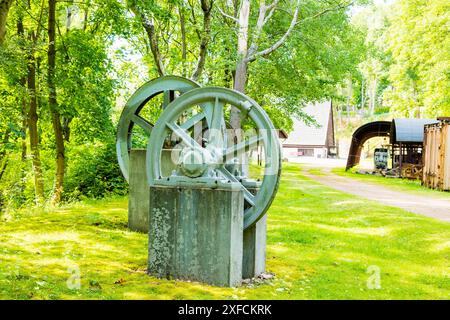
(320, 245)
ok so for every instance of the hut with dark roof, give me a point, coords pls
(406, 143)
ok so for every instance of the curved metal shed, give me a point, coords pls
(361, 135)
(408, 130)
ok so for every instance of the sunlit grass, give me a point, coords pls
(320, 245)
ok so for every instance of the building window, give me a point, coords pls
(301, 152)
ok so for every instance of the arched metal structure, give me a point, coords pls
(361, 135)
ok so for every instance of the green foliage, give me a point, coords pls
(407, 57)
(86, 90)
(94, 172)
(419, 43)
(103, 53)
(324, 52)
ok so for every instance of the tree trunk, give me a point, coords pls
(240, 76)
(149, 27)
(53, 104)
(206, 34)
(33, 131)
(5, 5)
(183, 40)
(24, 123)
(373, 93)
(3, 165)
(363, 102)
(23, 102)
(4, 156)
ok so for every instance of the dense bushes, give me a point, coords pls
(93, 172)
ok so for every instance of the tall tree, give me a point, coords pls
(33, 37)
(5, 5)
(33, 125)
(23, 81)
(53, 104)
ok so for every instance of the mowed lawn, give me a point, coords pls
(322, 244)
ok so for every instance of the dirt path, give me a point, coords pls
(435, 207)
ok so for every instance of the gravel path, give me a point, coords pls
(435, 207)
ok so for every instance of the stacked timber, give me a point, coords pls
(436, 155)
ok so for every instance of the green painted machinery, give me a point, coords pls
(205, 151)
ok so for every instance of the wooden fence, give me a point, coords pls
(436, 155)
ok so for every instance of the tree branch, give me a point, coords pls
(149, 27)
(258, 28)
(206, 35)
(271, 8)
(321, 13)
(227, 15)
(183, 39)
(277, 44)
(294, 22)
(193, 19)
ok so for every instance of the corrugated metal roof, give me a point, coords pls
(304, 134)
(410, 130)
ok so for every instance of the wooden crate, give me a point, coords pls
(436, 156)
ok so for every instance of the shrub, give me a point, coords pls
(93, 172)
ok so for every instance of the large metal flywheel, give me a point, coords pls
(170, 87)
(215, 157)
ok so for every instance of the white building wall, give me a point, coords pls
(292, 153)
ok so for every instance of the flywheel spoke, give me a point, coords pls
(215, 130)
(248, 196)
(241, 147)
(181, 133)
(193, 121)
(144, 124)
(217, 116)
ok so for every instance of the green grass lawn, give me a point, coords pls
(321, 244)
(412, 186)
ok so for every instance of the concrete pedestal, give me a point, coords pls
(196, 234)
(138, 201)
(254, 258)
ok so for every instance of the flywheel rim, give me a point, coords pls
(130, 113)
(203, 96)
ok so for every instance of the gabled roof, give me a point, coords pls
(409, 130)
(304, 134)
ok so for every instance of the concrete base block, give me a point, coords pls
(254, 257)
(138, 201)
(196, 234)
